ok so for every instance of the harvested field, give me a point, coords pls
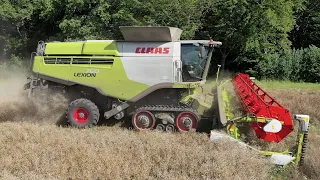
(300, 101)
(46, 151)
(303, 101)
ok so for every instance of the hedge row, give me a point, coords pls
(299, 65)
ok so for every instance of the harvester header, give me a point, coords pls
(258, 103)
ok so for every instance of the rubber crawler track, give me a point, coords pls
(167, 108)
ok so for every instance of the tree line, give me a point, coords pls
(276, 39)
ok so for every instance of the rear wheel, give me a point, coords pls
(82, 113)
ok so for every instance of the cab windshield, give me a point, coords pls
(192, 64)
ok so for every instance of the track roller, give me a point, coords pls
(186, 121)
(160, 127)
(143, 120)
(170, 128)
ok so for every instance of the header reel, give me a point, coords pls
(268, 118)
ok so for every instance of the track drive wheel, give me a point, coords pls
(82, 113)
(143, 120)
(186, 121)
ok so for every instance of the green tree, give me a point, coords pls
(248, 29)
(23, 23)
(306, 31)
(300, 65)
(13, 19)
(184, 14)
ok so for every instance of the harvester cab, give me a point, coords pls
(157, 81)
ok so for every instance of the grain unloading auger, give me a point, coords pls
(268, 118)
(155, 79)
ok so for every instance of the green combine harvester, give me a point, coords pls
(157, 81)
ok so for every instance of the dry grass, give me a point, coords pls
(33, 150)
(300, 101)
(312, 163)
(303, 101)
(33, 147)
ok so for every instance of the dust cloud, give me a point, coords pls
(15, 106)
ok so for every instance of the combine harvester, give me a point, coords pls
(157, 80)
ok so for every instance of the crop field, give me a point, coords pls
(36, 145)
